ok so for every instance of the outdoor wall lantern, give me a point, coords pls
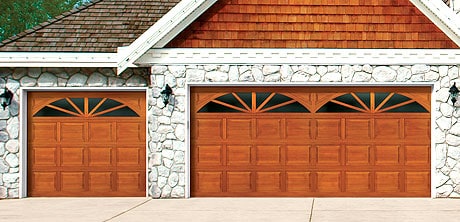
(453, 93)
(165, 94)
(5, 98)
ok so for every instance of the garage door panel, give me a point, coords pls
(328, 129)
(358, 182)
(72, 156)
(100, 156)
(328, 155)
(209, 129)
(238, 155)
(101, 181)
(44, 156)
(72, 181)
(298, 129)
(268, 128)
(130, 182)
(387, 128)
(130, 156)
(358, 129)
(387, 182)
(44, 181)
(44, 132)
(417, 182)
(417, 155)
(329, 181)
(72, 132)
(239, 182)
(239, 129)
(100, 132)
(387, 155)
(358, 155)
(209, 155)
(130, 132)
(268, 155)
(417, 129)
(208, 182)
(298, 182)
(268, 181)
(297, 155)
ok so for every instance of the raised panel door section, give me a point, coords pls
(72, 156)
(329, 129)
(298, 182)
(297, 155)
(100, 156)
(130, 132)
(72, 181)
(238, 155)
(417, 182)
(387, 128)
(72, 132)
(387, 155)
(130, 182)
(101, 181)
(417, 155)
(328, 155)
(268, 155)
(44, 156)
(358, 155)
(208, 182)
(239, 182)
(358, 129)
(268, 181)
(298, 129)
(417, 129)
(100, 132)
(268, 129)
(239, 129)
(387, 182)
(209, 155)
(44, 132)
(329, 182)
(129, 156)
(358, 182)
(209, 129)
(44, 181)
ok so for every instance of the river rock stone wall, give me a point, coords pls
(167, 126)
(14, 78)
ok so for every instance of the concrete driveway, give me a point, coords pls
(230, 209)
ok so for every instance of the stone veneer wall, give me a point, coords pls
(167, 129)
(14, 78)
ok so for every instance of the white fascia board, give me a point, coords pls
(442, 16)
(57, 59)
(163, 31)
(313, 56)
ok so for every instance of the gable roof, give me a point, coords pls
(100, 26)
(313, 24)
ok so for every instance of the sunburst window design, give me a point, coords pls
(86, 107)
(253, 102)
(370, 102)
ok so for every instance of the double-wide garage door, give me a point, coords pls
(310, 141)
(86, 144)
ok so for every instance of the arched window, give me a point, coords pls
(86, 107)
(373, 102)
(253, 102)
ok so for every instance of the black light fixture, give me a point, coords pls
(165, 94)
(453, 93)
(5, 98)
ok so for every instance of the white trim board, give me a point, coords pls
(57, 59)
(300, 56)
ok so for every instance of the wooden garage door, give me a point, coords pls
(86, 144)
(310, 141)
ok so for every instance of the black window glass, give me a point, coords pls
(213, 107)
(108, 104)
(92, 102)
(413, 107)
(332, 107)
(379, 97)
(261, 97)
(246, 97)
(394, 100)
(277, 99)
(79, 102)
(125, 111)
(47, 111)
(63, 103)
(295, 107)
(350, 100)
(365, 97)
(231, 100)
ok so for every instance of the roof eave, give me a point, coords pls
(163, 31)
(57, 59)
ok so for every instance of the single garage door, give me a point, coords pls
(310, 141)
(86, 144)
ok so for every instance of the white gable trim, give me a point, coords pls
(163, 31)
(301, 56)
(57, 59)
(442, 16)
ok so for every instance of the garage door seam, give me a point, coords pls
(126, 211)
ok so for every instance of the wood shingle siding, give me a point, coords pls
(313, 24)
(101, 26)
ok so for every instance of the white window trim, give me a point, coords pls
(57, 59)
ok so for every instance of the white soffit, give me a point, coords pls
(300, 56)
(163, 31)
(57, 59)
(442, 16)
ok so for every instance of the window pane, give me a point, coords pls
(108, 104)
(394, 100)
(92, 102)
(277, 99)
(290, 108)
(246, 97)
(261, 97)
(47, 111)
(125, 111)
(213, 107)
(331, 107)
(63, 103)
(230, 99)
(413, 107)
(349, 99)
(80, 102)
